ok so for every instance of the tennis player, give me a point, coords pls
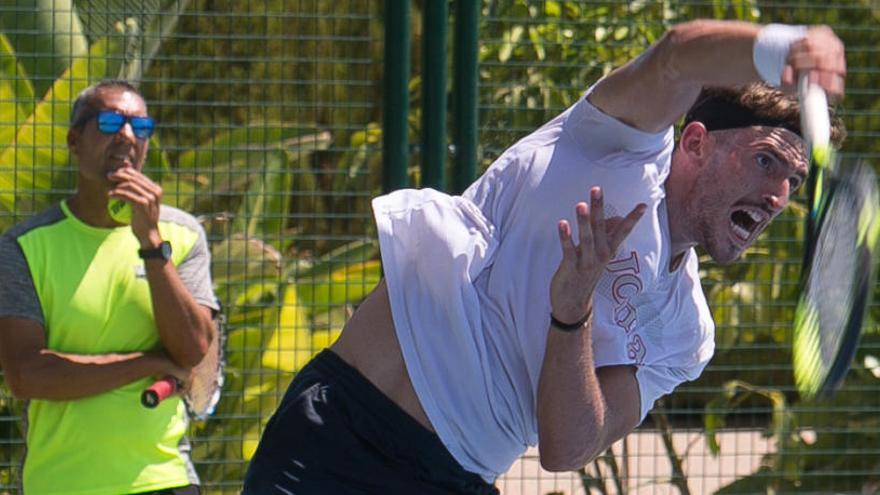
(92, 310)
(558, 297)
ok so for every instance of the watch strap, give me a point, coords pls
(162, 251)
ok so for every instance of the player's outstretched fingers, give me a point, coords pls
(597, 224)
(566, 241)
(622, 229)
(585, 233)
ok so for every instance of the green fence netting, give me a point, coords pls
(270, 131)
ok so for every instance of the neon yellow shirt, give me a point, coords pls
(95, 299)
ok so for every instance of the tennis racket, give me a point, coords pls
(838, 265)
(201, 392)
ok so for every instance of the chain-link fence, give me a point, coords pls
(270, 130)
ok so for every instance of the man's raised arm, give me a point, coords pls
(652, 91)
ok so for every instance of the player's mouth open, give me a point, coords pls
(747, 223)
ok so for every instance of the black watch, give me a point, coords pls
(162, 252)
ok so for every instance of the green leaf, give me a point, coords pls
(156, 162)
(348, 284)
(237, 259)
(537, 42)
(552, 9)
(252, 168)
(243, 349)
(713, 422)
(511, 40)
(180, 190)
(747, 10)
(16, 93)
(353, 252)
(246, 274)
(38, 160)
(290, 346)
(264, 182)
(244, 146)
(139, 26)
(756, 483)
(52, 32)
(363, 145)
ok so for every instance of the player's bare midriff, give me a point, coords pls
(369, 344)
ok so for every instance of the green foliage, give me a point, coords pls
(269, 129)
(537, 58)
(276, 325)
(56, 33)
(542, 57)
(16, 89)
(259, 160)
(49, 32)
(36, 160)
(782, 426)
(280, 311)
(139, 26)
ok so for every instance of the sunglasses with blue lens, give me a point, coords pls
(110, 122)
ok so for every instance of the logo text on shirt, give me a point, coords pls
(626, 285)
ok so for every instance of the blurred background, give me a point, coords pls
(273, 116)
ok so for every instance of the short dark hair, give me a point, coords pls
(84, 107)
(754, 104)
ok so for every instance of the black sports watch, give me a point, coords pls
(162, 252)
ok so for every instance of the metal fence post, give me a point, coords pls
(434, 73)
(395, 141)
(464, 93)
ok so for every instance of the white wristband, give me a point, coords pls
(770, 50)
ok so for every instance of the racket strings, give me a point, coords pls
(832, 280)
(838, 270)
(202, 392)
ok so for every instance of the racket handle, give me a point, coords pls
(815, 121)
(157, 392)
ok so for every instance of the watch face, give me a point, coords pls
(161, 252)
(166, 250)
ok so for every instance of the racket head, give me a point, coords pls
(201, 393)
(836, 280)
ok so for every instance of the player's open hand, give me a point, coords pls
(820, 54)
(571, 290)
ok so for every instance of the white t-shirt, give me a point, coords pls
(469, 277)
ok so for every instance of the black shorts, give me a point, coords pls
(335, 432)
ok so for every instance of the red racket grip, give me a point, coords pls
(157, 392)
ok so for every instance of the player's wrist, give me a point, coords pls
(164, 365)
(770, 51)
(573, 326)
(156, 362)
(151, 240)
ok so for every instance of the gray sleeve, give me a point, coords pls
(195, 273)
(18, 296)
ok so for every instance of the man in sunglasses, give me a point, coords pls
(95, 306)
